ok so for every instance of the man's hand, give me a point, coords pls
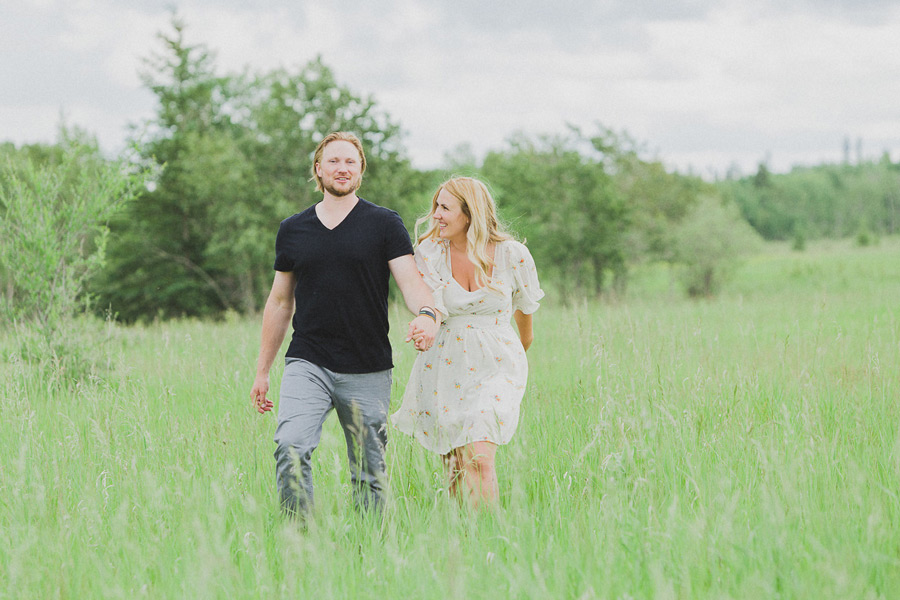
(276, 319)
(258, 394)
(422, 331)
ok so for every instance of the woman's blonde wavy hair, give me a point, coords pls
(484, 228)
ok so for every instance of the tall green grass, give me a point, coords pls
(740, 447)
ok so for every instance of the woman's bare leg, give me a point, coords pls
(479, 477)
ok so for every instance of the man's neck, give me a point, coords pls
(336, 203)
(332, 210)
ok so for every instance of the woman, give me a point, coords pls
(463, 395)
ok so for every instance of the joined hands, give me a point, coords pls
(422, 331)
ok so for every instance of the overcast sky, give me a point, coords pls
(703, 83)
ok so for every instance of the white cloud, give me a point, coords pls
(35, 5)
(779, 78)
(120, 37)
(34, 123)
(706, 84)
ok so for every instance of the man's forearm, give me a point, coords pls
(416, 292)
(420, 297)
(276, 319)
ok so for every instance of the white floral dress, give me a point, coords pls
(469, 385)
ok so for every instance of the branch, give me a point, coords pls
(206, 277)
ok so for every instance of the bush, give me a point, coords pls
(708, 243)
(865, 237)
(52, 240)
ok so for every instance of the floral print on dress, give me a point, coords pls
(469, 386)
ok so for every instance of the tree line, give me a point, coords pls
(823, 201)
(226, 158)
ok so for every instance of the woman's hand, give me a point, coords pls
(422, 331)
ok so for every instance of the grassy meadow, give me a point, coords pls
(745, 446)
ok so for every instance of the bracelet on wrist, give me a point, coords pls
(428, 312)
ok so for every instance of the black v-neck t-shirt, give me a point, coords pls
(341, 316)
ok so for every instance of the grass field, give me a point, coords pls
(745, 446)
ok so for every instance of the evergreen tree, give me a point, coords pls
(233, 156)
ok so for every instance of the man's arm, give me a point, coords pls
(276, 319)
(416, 294)
(524, 325)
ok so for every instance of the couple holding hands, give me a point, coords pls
(465, 281)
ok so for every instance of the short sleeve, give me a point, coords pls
(283, 260)
(396, 237)
(430, 261)
(526, 288)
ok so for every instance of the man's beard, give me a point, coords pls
(340, 193)
(331, 189)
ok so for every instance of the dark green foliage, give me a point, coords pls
(864, 237)
(158, 261)
(55, 207)
(229, 157)
(236, 157)
(567, 206)
(591, 206)
(830, 201)
(708, 243)
(15, 163)
(656, 200)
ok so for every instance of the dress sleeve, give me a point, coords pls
(430, 261)
(526, 288)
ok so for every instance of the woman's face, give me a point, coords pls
(452, 223)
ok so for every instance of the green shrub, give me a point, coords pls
(708, 244)
(52, 240)
(865, 237)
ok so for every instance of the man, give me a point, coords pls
(333, 262)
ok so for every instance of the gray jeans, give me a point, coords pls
(308, 394)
